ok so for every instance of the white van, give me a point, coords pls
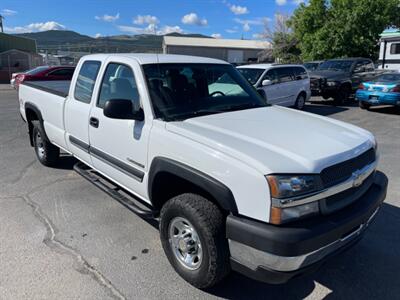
(286, 85)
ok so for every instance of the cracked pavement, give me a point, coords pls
(62, 238)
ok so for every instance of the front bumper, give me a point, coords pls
(275, 254)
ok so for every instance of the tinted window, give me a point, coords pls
(395, 48)
(285, 74)
(118, 83)
(312, 66)
(336, 65)
(181, 91)
(300, 73)
(37, 70)
(271, 75)
(388, 77)
(251, 75)
(86, 80)
(62, 72)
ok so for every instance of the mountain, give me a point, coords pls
(66, 40)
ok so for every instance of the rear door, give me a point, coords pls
(119, 147)
(287, 86)
(77, 108)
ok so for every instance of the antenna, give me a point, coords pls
(1, 23)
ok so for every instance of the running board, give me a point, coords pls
(113, 190)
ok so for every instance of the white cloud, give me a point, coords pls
(258, 36)
(246, 27)
(146, 19)
(298, 2)
(193, 19)
(238, 10)
(281, 2)
(232, 30)
(107, 18)
(216, 35)
(246, 23)
(97, 35)
(150, 29)
(8, 12)
(35, 27)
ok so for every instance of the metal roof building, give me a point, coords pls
(9, 42)
(232, 51)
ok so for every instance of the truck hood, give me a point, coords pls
(276, 139)
(330, 75)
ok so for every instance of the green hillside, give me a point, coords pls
(54, 40)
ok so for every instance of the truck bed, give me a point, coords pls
(57, 87)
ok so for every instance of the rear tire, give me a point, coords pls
(300, 102)
(364, 105)
(46, 152)
(190, 225)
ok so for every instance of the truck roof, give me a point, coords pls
(152, 58)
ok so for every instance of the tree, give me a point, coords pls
(342, 28)
(284, 43)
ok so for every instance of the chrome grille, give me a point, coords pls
(340, 172)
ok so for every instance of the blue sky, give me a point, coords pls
(221, 18)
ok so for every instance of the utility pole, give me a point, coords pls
(1, 23)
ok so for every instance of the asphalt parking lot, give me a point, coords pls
(62, 238)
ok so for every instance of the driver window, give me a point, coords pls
(271, 75)
(118, 83)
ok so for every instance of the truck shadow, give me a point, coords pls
(369, 270)
(388, 110)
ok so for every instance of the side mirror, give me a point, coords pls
(266, 82)
(122, 109)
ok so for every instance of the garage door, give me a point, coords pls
(235, 56)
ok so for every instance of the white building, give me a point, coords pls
(232, 51)
(389, 54)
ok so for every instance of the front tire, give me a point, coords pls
(46, 152)
(300, 102)
(192, 231)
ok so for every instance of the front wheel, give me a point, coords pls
(192, 231)
(300, 102)
(46, 152)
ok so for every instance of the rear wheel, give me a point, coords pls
(192, 231)
(46, 152)
(364, 105)
(300, 102)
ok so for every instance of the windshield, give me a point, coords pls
(252, 75)
(311, 66)
(182, 91)
(36, 70)
(336, 65)
(388, 77)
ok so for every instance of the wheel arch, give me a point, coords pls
(168, 178)
(33, 113)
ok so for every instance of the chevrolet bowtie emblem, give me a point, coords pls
(358, 178)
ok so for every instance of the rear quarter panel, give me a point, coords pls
(51, 107)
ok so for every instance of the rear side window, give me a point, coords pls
(300, 73)
(285, 74)
(395, 48)
(86, 80)
(118, 83)
(271, 75)
(62, 72)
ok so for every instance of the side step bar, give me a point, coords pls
(123, 197)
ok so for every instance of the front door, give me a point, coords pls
(77, 109)
(119, 147)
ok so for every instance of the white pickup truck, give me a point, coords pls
(235, 183)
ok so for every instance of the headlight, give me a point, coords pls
(285, 189)
(332, 83)
(284, 186)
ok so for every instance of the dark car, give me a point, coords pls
(312, 65)
(45, 73)
(339, 78)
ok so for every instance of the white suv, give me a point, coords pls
(286, 85)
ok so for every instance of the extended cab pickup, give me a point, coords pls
(237, 184)
(340, 78)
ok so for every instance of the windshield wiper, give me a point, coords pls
(243, 106)
(194, 114)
